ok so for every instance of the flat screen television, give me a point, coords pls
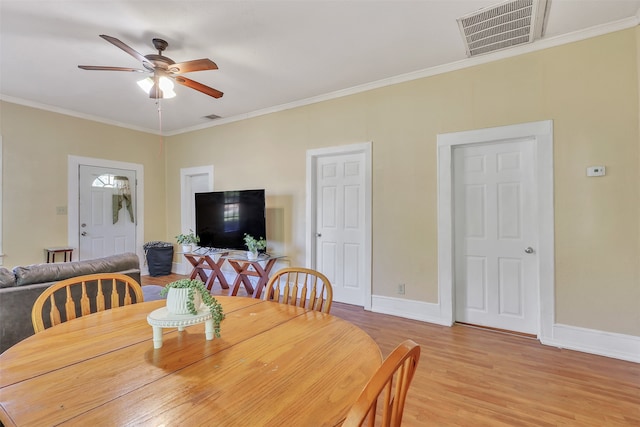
(223, 217)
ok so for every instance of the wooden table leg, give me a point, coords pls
(201, 263)
(216, 272)
(198, 269)
(264, 275)
(242, 270)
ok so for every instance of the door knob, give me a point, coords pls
(84, 233)
(318, 235)
(529, 250)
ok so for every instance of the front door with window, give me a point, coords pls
(107, 211)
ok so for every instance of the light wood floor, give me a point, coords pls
(474, 377)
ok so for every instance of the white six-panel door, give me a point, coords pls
(340, 221)
(495, 231)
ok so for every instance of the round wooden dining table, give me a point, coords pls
(274, 365)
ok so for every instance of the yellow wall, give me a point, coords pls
(36, 145)
(588, 88)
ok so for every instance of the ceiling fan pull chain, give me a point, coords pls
(159, 104)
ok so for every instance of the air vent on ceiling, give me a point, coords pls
(212, 117)
(505, 25)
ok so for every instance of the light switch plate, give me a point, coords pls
(596, 171)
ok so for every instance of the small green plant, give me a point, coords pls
(254, 245)
(195, 285)
(188, 239)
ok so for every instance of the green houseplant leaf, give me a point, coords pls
(253, 244)
(188, 239)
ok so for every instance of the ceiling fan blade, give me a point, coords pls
(102, 68)
(114, 41)
(198, 86)
(195, 65)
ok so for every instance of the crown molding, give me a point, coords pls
(537, 45)
(63, 111)
(433, 71)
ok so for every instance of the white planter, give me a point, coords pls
(186, 248)
(252, 255)
(177, 300)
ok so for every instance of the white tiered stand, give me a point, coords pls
(161, 318)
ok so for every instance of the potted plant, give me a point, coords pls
(254, 245)
(187, 240)
(185, 296)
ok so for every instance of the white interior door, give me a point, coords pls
(341, 226)
(107, 215)
(495, 229)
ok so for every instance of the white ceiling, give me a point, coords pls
(270, 54)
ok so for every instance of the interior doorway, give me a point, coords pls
(192, 180)
(540, 135)
(339, 219)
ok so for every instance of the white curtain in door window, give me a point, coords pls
(122, 196)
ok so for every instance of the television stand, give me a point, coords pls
(246, 267)
(204, 261)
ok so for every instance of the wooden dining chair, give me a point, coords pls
(300, 286)
(82, 295)
(393, 377)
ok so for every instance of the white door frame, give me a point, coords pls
(542, 133)
(311, 206)
(73, 198)
(185, 199)
(185, 191)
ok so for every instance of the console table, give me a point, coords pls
(246, 267)
(51, 253)
(204, 261)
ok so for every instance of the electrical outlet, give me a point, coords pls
(401, 289)
(61, 210)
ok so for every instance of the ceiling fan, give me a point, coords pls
(162, 68)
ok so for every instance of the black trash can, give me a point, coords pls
(159, 256)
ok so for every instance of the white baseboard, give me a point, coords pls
(416, 310)
(617, 346)
(181, 268)
(609, 344)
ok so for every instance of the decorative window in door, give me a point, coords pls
(121, 193)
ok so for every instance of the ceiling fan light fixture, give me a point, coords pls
(165, 91)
